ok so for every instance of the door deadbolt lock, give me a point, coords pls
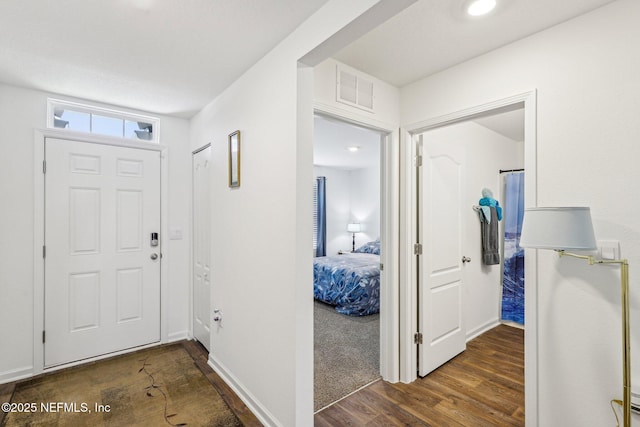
(154, 239)
(466, 259)
(217, 315)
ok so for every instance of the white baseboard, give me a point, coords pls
(482, 329)
(178, 336)
(16, 374)
(262, 413)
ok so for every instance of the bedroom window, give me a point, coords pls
(101, 121)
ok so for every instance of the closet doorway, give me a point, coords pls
(347, 240)
(459, 296)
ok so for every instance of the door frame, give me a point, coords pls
(389, 238)
(39, 138)
(408, 232)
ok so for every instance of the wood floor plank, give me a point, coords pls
(237, 406)
(483, 386)
(6, 392)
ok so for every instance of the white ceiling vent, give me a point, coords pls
(354, 90)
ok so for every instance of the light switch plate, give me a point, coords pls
(609, 249)
(175, 233)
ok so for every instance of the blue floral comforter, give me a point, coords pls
(351, 282)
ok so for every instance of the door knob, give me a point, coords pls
(466, 259)
(217, 315)
(154, 256)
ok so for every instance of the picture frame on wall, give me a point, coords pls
(234, 159)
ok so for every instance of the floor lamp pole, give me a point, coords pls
(626, 341)
(626, 349)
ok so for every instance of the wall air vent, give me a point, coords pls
(354, 90)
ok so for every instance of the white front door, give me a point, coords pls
(102, 270)
(202, 246)
(440, 267)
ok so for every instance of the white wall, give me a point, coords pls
(264, 346)
(486, 152)
(22, 112)
(386, 97)
(352, 196)
(365, 202)
(586, 75)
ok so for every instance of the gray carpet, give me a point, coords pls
(347, 353)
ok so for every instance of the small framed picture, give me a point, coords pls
(234, 159)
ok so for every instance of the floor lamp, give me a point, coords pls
(570, 228)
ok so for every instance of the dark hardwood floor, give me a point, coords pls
(200, 356)
(483, 386)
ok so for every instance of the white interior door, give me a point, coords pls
(202, 246)
(440, 267)
(102, 272)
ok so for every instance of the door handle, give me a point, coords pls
(465, 259)
(154, 256)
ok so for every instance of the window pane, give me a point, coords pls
(106, 126)
(138, 130)
(100, 121)
(73, 120)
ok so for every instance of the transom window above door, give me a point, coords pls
(101, 121)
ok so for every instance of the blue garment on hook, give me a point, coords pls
(488, 201)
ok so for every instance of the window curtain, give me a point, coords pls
(513, 274)
(321, 216)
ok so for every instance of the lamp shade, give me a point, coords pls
(564, 228)
(354, 228)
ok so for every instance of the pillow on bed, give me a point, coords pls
(369, 248)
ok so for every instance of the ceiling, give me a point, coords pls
(433, 35)
(509, 124)
(174, 56)
(163, 56)
(331, 139)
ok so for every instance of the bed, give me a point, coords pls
(351, 281)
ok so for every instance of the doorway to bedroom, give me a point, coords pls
(346, 245)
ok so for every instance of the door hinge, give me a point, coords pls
(418, 160)
(417, 249)
(381, 266)
(44, 251)
(417, 338)
(43, 337)
(44, 166)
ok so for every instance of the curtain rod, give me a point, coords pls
(511, 170)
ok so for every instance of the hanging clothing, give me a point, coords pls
(489, 202)
(490, 213)
(490, 239)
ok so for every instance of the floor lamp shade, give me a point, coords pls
(558, 228)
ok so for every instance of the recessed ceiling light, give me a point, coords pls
(353, 148)
(481, 7)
